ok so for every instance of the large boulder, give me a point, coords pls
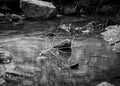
(38, 9)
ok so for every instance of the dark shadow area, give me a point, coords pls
(10, 6)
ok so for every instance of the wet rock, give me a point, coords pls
(38, 9)
(112, 36)
(87, 29)
(5, 57)
(64, 48)
(104, 84)
(16, 17)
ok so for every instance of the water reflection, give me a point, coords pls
(35, 28)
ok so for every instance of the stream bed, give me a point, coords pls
(29, 42)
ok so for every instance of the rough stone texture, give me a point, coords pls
(112, 36)
(38, 9)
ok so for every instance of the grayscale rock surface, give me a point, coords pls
(38, 9)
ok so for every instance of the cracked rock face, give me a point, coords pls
(37, 9)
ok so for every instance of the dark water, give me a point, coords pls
(39, 26)
(29, 38)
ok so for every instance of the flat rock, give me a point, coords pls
(38, 9)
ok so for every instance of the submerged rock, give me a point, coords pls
(112, 36)
(38, 9)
